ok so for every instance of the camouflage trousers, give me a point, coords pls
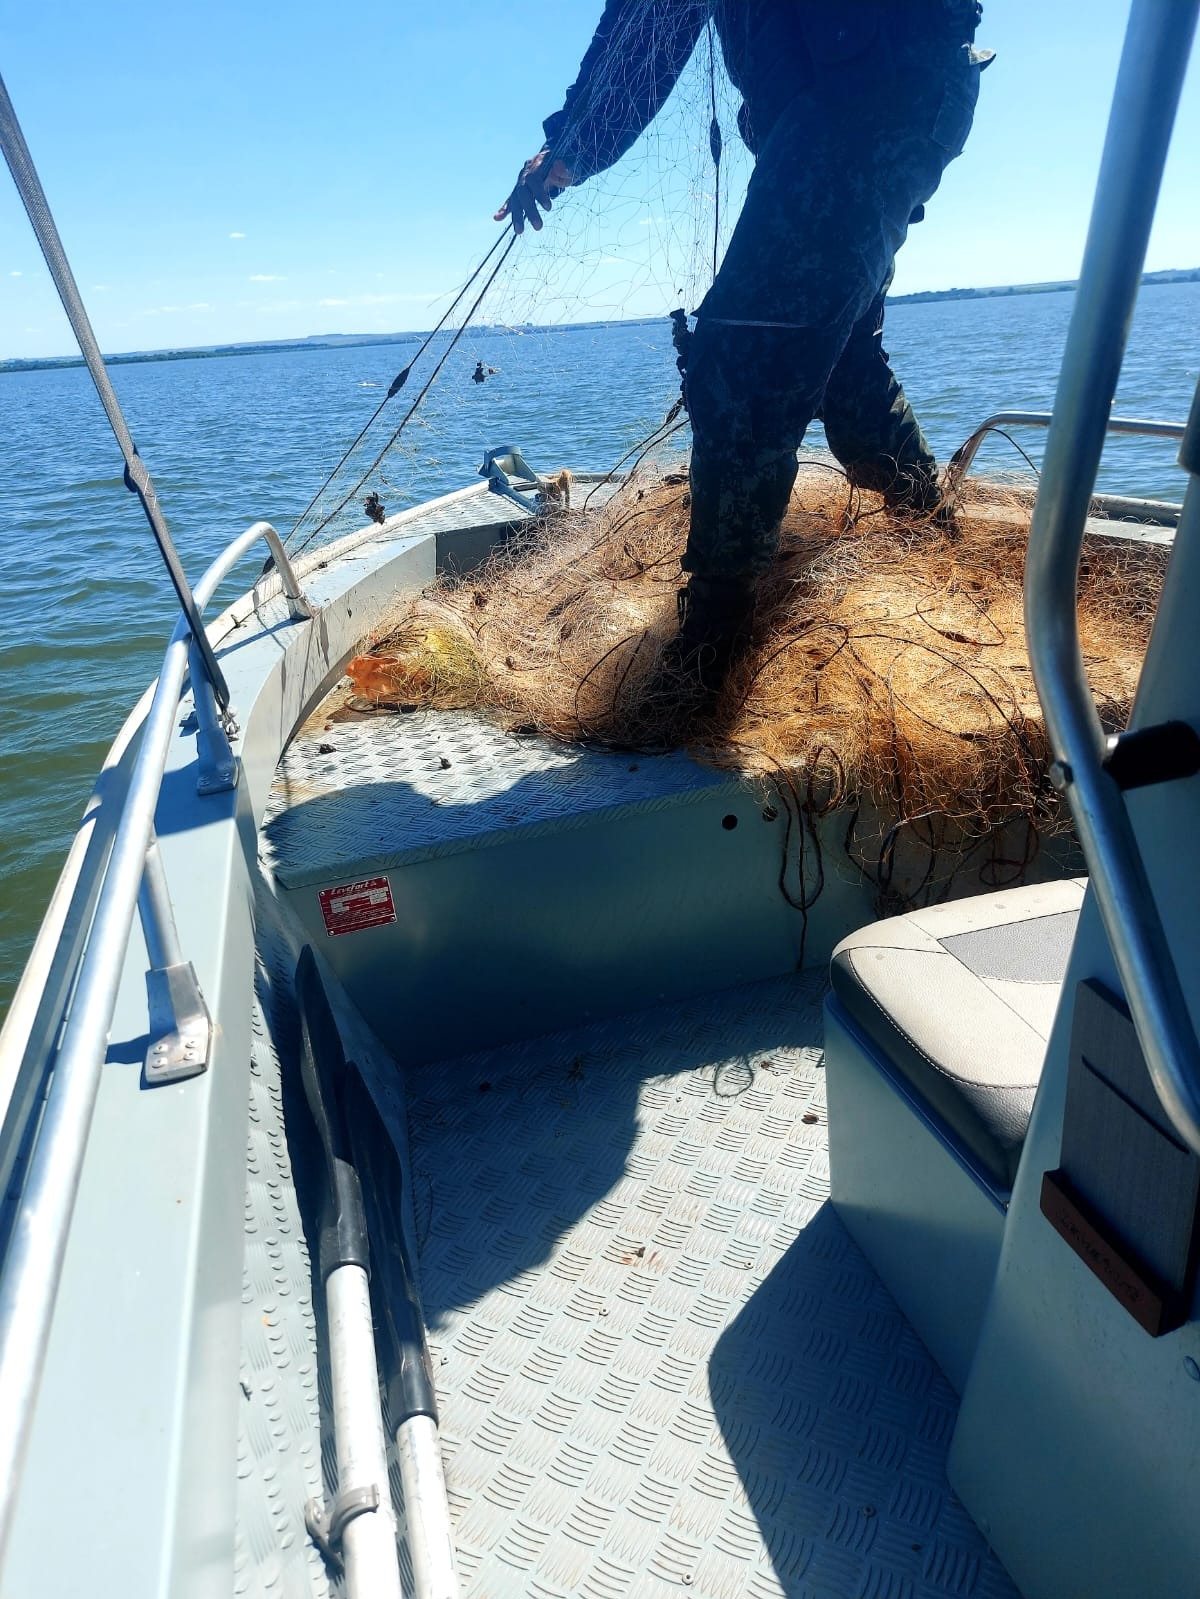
(792, 327)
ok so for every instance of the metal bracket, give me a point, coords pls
(325, 1527)
(505, 464)
(218, 768)
(180, 1026)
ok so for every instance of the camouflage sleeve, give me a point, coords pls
(638, 51)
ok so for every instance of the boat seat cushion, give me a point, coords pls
(960, 1000)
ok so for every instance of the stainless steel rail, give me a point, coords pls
(960, 461)
(217, 768)
(1147, 92)
(33, 1265)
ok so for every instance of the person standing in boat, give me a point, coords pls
(852, 109)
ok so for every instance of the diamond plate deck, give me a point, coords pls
(286, 1446)
(662, 1363)
(279, 1464)
(392, 790)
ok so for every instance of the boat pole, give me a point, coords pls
(358, 1530)
(408, 1374)
(367, 1182)
(137, 473)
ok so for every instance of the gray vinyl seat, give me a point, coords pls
(959, 1001)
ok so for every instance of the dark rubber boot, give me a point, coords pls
(716, 617)
(922, 499)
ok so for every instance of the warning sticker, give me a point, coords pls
(353, 906)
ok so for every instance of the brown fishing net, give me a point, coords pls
(888, 674)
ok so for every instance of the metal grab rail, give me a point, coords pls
(960, 461)
(1152, 67)
(33, 1267)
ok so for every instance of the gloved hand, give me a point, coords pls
(535, 186)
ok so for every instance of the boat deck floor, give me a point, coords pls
(662, 1363)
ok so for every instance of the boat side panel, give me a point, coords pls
(145, 1326)
(141, 1378)
(1074, 1417)
(516, 940)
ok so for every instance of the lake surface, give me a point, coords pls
(86, 606)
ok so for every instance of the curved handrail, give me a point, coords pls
(960, 461)
(1147, 92)
(298, 605)
(33, 1266)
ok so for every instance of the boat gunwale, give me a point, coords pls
(276, 687)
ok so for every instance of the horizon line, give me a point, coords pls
(327, 340)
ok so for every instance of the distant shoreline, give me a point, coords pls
(314, 341)
(351, 341)
(926, 296)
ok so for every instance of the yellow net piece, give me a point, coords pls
(887, 672)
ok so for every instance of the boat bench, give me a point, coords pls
(935, 1034)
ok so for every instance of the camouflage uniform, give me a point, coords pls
(853, 108)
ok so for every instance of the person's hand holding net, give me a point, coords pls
(539, 183)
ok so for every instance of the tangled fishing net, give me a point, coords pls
(887, 672)
(887, 678)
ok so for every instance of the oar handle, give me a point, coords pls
(344, 1222)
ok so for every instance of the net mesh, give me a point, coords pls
(887, 674)
(631, 243)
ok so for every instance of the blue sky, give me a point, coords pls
(243, 171)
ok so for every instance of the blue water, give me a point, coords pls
(87, 608)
